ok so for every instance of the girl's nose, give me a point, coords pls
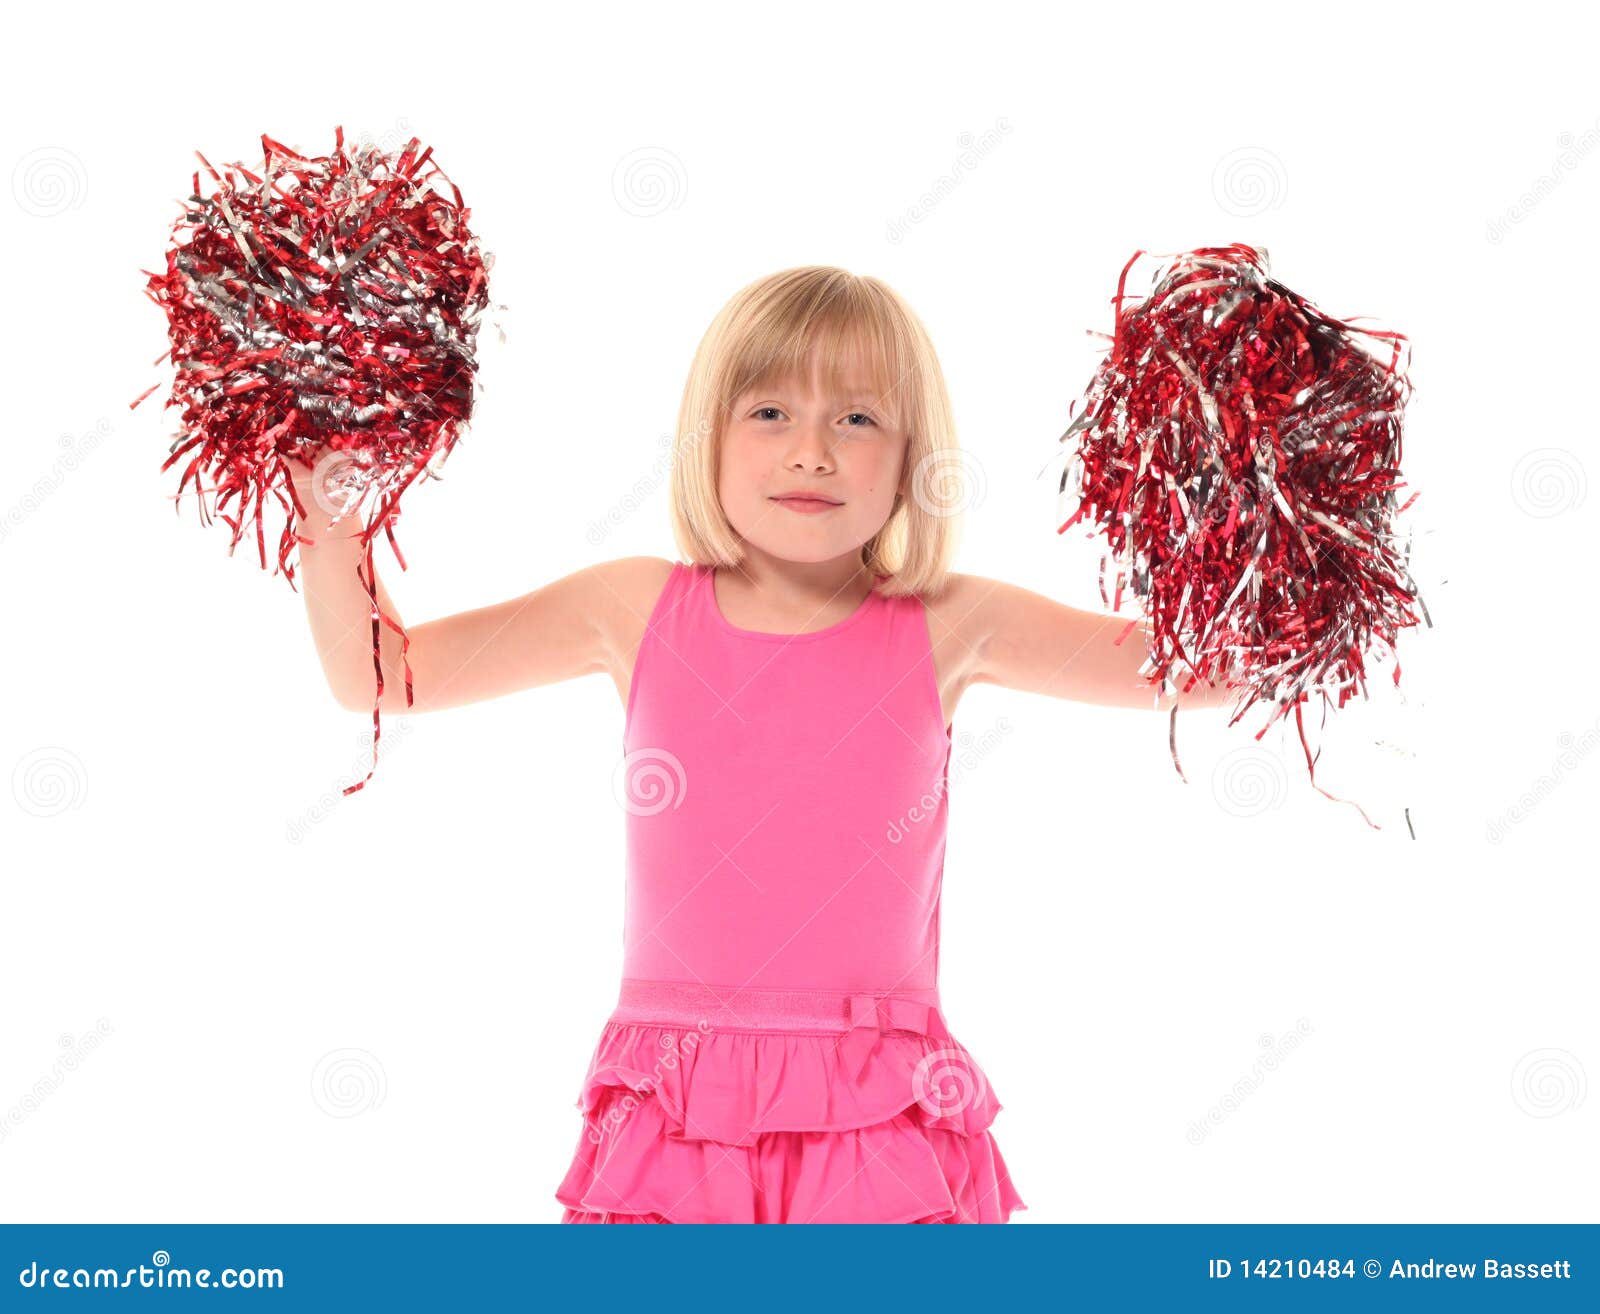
(813, 447)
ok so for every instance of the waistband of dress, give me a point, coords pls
(731, 1008)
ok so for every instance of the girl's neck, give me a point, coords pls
(773, 594)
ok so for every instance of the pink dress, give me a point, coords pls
(778, 1053)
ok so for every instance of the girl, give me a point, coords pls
(777, 1053)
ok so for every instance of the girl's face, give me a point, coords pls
(792, 437)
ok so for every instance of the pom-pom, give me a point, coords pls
(322, 310)
(1240, 450)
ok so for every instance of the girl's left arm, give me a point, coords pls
(1019, 639)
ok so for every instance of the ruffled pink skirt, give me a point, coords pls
(824, 1107)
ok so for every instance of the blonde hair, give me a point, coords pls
(775, 329)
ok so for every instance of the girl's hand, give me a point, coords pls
(302, 477)
(320, 503)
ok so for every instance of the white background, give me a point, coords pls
(1121, 950)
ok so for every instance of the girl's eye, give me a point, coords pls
(773, 413)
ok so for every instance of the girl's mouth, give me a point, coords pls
(807, 506)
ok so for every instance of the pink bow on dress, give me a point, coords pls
(872, 1015)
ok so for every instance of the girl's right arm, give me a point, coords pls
(585, 623)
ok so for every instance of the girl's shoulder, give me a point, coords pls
(959, 600)
(636, 579)
(623, 593)
(957, 619)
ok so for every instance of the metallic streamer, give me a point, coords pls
(1240, 451)
(318, 304)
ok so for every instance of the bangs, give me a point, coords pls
(852, 344)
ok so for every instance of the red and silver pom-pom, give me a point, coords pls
(1240, 450)
(322, 309)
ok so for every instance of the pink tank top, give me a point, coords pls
(786, 799)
